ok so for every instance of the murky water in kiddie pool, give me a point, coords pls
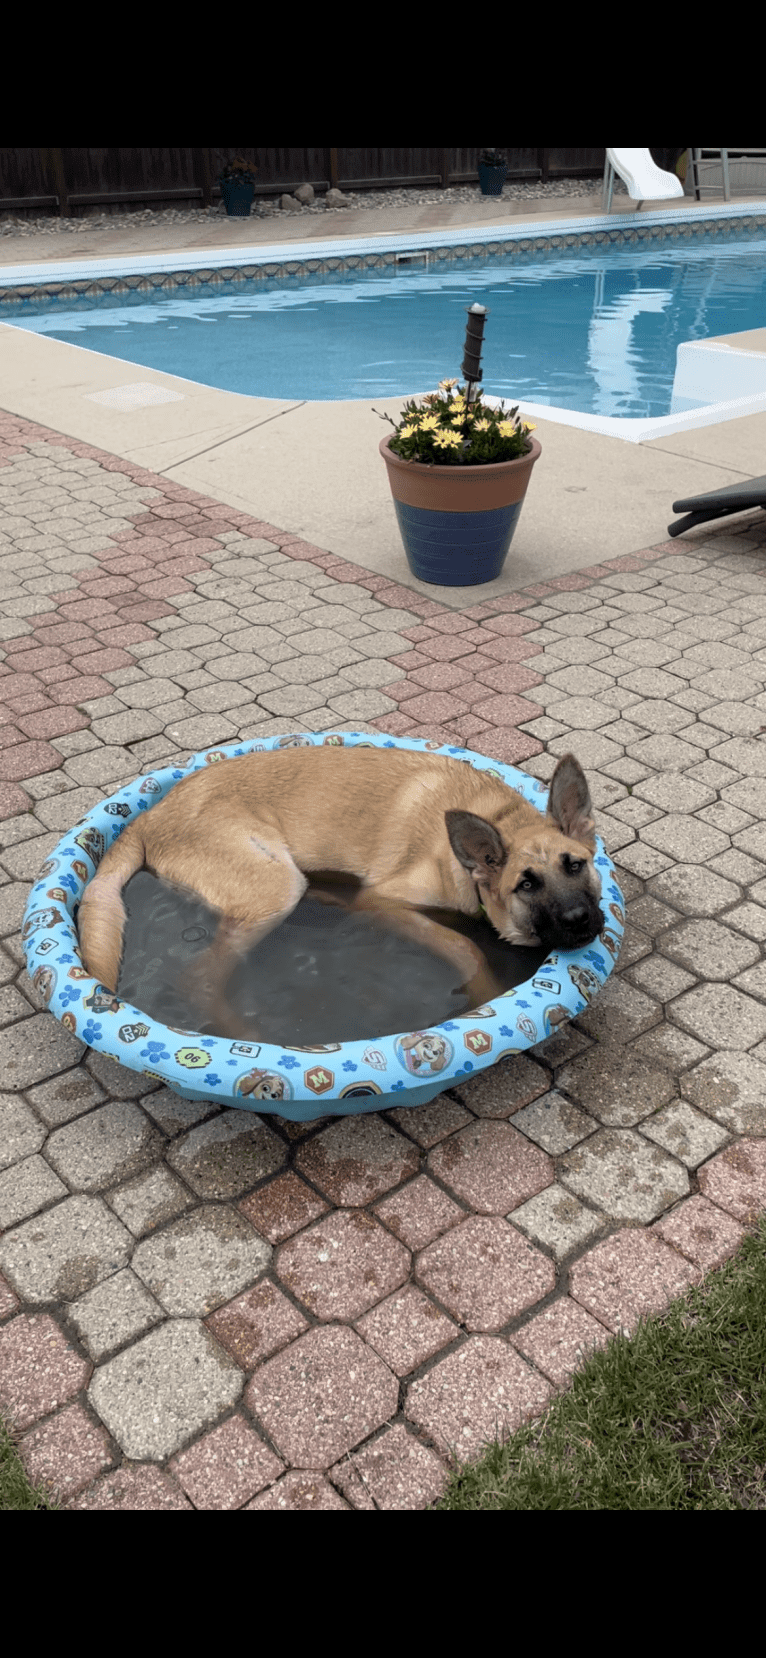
(325, 975)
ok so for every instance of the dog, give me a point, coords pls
(419, 832)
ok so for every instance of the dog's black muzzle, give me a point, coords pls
(569, 929)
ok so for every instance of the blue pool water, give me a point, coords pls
(596, 332)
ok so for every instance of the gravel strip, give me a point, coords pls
(13, 225)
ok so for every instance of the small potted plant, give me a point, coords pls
(493, 166)
(458, 473)
(237, 181)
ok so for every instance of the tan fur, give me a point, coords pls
(245, 833)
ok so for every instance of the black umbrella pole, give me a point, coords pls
(474, 337)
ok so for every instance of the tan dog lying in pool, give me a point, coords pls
(419, 832)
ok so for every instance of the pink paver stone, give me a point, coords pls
(60, 633)
(419, 1213)
(509, 746)
(736, 1179)
(559, 1339)
(283, 1207)
(89, 610)
(492, 1167)
(12, 801)
(520, 650)
(28, 760)
(628, 1276)
(16, 684)
(485, 1273)
(701, 1231)
(303, 1493)
(455, 622)
(502, 649)
(357, 1159)
(397, 724)
(52, 722)
(227, 1467)
(65, 1453)
(133, 633)
(440, 676)
(256, 1324)
(394, 1472)
(322, 1396)
(39, 1370)
(427, 1124)
(507, 678)
(81, 689)
(407, 1329)
(445, 647)
(105, 586)
(140, 1488)
(39, 656)
(342, 1265)
(507, 711)
(482, 1392)
(435, 705)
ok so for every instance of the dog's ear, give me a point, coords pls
(569, 803)
(476, 845)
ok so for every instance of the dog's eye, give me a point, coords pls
(573, 865)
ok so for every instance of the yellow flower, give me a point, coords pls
(506, 428)
(481, 426)
(408, 432)
(447, 440)
(447, 384)
(428, 423)
(530, 428)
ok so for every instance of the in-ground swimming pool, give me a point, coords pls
(595, 331)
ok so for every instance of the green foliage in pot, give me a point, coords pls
(445, 430)
(493, 158)
(238, 171)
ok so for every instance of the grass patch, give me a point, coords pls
(16, 1491)
(672, 1417)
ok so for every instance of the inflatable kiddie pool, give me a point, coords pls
(299, 1084)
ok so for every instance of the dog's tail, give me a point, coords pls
(101, 919)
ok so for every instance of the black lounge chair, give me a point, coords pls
(720, 503)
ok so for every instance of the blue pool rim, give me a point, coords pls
(301, 1084)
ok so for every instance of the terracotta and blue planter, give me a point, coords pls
(457, 522)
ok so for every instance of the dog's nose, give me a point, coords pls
(577, 915)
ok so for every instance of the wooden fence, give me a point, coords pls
(74, 181)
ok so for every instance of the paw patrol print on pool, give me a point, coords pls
(343, 1078)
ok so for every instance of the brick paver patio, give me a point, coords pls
(203, 1308)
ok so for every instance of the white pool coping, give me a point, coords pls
(629, 430)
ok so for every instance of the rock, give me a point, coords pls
(336, 198)
(305, 195)
(290, 205)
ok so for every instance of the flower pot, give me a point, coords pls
(457, 522)
(491, 179)
(237, 196)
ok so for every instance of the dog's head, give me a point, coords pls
(540, 886)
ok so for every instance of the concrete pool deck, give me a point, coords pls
(203, 1308)
(314, 468)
